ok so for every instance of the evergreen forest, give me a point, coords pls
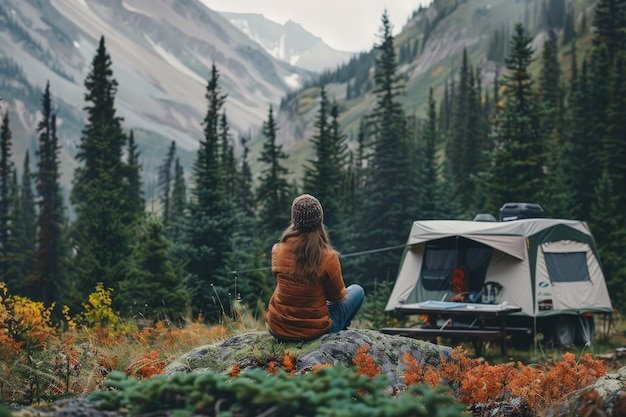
(202, 247)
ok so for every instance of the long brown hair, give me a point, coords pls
(309, 247)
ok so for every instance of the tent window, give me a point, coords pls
(567, 267)
(442, 256)
(437, 268)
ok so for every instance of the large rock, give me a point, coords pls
(257, 349)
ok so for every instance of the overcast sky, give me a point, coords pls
(346, 25)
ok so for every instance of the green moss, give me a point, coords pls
(392, 356)
(206, 361)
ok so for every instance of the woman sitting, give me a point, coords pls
(310, 298)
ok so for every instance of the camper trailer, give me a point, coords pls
(548, 267)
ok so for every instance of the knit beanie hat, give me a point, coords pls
(306, 213)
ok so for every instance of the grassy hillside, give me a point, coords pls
(448, 26)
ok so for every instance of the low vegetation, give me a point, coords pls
(120, 363)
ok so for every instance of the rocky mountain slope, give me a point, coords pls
(162, 52)
(288, 42)
(429, 50)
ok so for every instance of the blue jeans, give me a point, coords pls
(342, 312)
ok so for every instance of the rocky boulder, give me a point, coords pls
(257, 349)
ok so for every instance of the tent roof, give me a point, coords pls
(509, 237)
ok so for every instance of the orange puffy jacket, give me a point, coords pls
(299, 312)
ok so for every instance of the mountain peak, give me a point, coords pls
(289, 42)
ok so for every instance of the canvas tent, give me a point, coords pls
(548, 267)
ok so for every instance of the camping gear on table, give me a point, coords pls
(548, 267)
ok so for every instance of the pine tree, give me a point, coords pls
(6, 181)
(165, 178)
(477, 144)
(549, 86)
(562, 201)
(206, 244)
(100, 233)
(253, 285)
(582, 153)
(152, 289)
(51, 249)
(51, 253)
(228, 162)
(178, 204)
(429, 178)
(352, 236)
(614, 145)
(29, 216)
(340, 222)
(457, 139)
(246, 198)
(591, 107)
(569, 25)
(556, 10)
(445, 110)
(273, 192)
(551, 97)
(14, 258)
(135, 200)
(466, 142)
(519, 157)
(325, 176)
(609, 22)
(312, 181)
(607, 222)
(390, 197)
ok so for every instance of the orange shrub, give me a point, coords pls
(146, 365)
(287, 362)
(366, 363)
(475, 382)
(234, 371)
(416, 373)
(272, 368)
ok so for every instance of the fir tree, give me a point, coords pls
(100, 236)
(253, 285)
(569, 25)
(228, 161)
(325, 176)
(582, 153)
(562, 201)
(206, 244)
(165, 178)
(390, 198)
(549, 86)
(519, 157)
(458, 137)
(152, 289)
(273, 192)
(465, 145)
(136, 202)
(609, 22)
(429, 177)
(29, 217)
(246, 199)
(178, 203)
(614, 145)
(50, 221)
(607, 222)
(14, 258)
(591, 103)
(6, 181)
